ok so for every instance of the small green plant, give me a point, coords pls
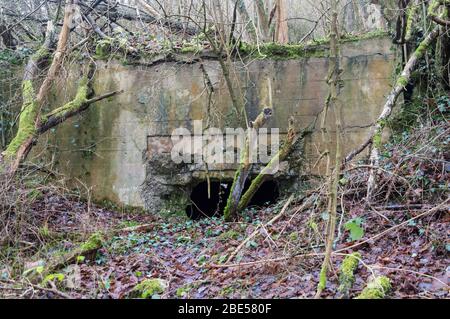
(231, 234)
(44, 231)
(80, 259)
(354, 226)
(57, 277)
(183, 291)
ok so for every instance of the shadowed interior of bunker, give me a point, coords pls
(202, 206)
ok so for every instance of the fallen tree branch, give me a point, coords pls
(245, 165)
(69, 110)
(270, 167)
(87, 249)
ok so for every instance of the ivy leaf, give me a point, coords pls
(354, 226)
(252, 244)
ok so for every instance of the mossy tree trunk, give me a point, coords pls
(270, 167)
(376, 135)
(245, 166)
(20, 144)
(31, 122)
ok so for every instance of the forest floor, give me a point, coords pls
(403, 233)
(191, 256)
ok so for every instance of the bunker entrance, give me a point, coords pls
(202, 206)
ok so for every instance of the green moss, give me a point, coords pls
(377, 140)
(315, 49)
(377, 137)
(345, 38)
(27, 119)
(347, 276)
(293, 236)
(421, 50)
(231, 234)
(148, 288)
(376, 289)
(190, 48)
(402, 81)
(80, 98)
(183, 291)
(278, 51)
(365, 36)
(433, 6)
(322, 279)
(40, 54)
(93, 243)
(411, 13)
(103, 49)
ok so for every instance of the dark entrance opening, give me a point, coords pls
(201, 206)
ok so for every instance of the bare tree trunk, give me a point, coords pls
(334, 82)
(263, 20)
(281, 29)
(245, 19)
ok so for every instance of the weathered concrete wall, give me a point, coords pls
(110, 146)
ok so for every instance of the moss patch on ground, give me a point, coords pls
(376, 289)
(149, 288)
(348, 268)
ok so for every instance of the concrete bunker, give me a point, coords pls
(121, 147)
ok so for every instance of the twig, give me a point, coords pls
(339, 251)
(286, 205)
